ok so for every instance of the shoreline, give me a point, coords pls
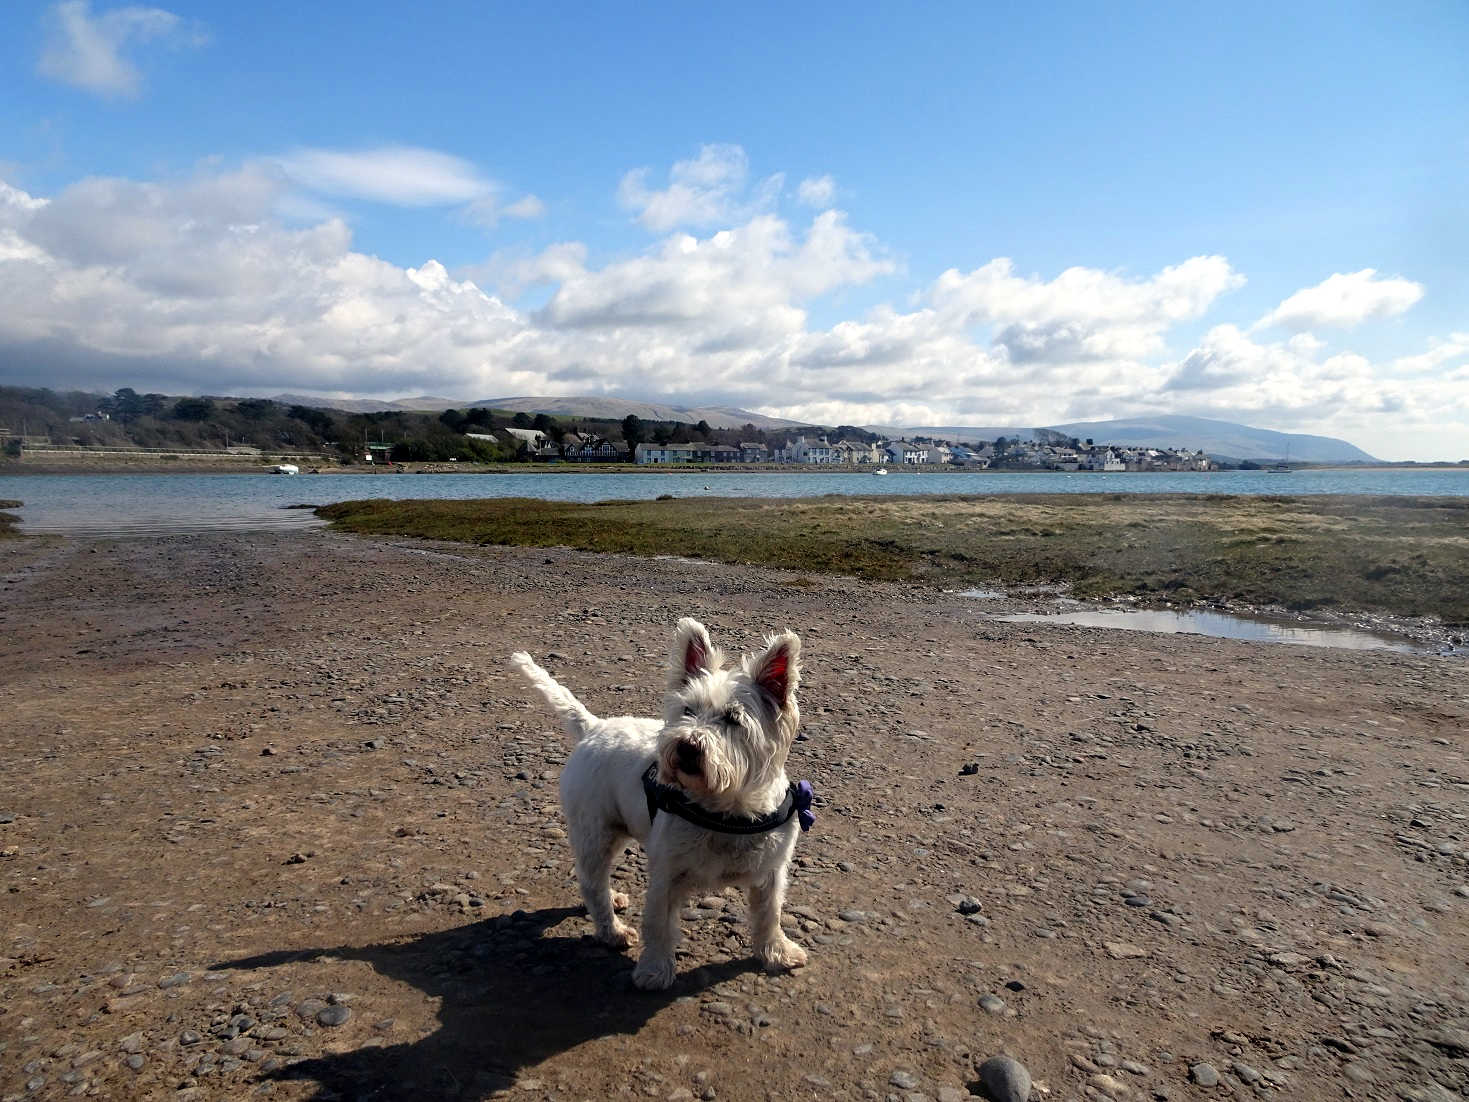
(552, 469)
(477, 468)
(94, 465)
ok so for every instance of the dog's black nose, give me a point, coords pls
(688, 756)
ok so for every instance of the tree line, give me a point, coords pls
(127, 418)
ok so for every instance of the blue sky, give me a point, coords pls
(966, 213)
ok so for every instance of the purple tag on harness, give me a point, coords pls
(803, 795)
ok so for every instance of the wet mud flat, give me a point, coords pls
(277, 818)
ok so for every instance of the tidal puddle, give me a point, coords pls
(687, 561)
(1219, 625)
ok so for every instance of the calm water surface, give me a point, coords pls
(1218, 625)
(121, 504)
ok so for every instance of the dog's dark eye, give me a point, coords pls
(732, 716)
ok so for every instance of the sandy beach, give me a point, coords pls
(278, 822)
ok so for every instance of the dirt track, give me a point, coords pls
(275, 818)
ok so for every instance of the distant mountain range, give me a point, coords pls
(719, 417)
(421, 404)
(1218, 439)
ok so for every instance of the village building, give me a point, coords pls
(902, 453)
(531, 438)
(855, 453)
(687, 453)
(801, 450)
(592, 449)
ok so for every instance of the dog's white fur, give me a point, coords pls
(723, 740)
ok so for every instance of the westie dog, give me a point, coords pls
(704, 789)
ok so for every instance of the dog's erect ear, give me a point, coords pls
(777, 669)
(693, 654)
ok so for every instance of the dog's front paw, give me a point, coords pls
(620, 902)
(653, 974)
(782, 956)
(620, 936)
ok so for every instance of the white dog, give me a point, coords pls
(704, 789)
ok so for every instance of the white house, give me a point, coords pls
(1196, 461)
(801, 450)
(534, 438)
(902, 453)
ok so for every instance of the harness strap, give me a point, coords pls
(672, 800)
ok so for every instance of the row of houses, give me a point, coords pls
(816, 451)
(819, 451)
(1103, 457)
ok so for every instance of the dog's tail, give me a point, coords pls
(574, 715)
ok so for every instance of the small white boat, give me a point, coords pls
(286, 468)
(880, 470)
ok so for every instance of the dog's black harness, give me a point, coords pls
(664, 797)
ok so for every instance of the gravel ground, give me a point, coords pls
(277, 821)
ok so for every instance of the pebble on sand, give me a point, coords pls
(1004, 1080)
(1204, 1075)
(334, 1015)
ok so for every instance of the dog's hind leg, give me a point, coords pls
(596, 847)
(773, 949)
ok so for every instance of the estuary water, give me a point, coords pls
(1219, 625)
(142, 504)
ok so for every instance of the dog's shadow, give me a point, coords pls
(510, 997)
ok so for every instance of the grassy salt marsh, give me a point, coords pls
(1403, 556)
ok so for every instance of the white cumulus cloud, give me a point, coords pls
(1231, 372)
(1083, 314)
(88, 51)
(1343, 301)
(1440, 352)
(1410, 408)
(200, 285)
(702, 191)
(817, 191)
(196, 286)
